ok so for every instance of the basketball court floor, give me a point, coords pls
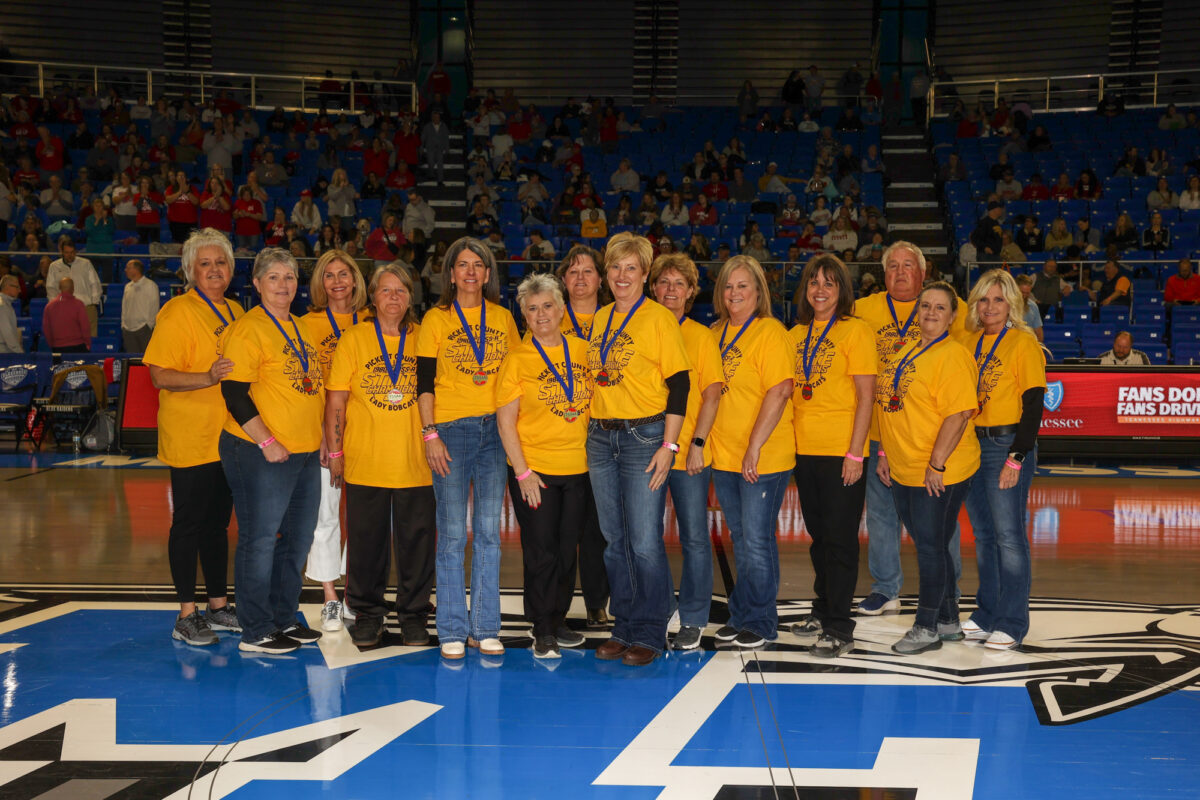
(97, 701)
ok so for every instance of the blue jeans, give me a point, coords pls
(1001, 540)
(276, 506)
(689, 494)
(752, 511)
(883, 535)
(932, 521)
(477, 472)
(631, 519)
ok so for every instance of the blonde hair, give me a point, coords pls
(751, 265)
(316, 285)
(629, 244)
(1008, 290)
(683, 264)
(205, 237)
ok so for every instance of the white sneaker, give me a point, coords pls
(454, 650)
(331, 616)
(347, 612)
(974, 633)
(999, 640)
(490, 646)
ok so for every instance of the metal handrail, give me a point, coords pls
(210, 76)
(983, 265)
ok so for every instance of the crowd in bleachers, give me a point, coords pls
(1109, 200)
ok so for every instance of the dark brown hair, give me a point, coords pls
(833, 267)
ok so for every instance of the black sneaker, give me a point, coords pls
(809, 626)
(688, 638)
(301, 633)
(726, 633)
(194, 630)
(366, 631)
(414, 632)
(748, 640)
(271, 644)
(223, 619)
(567, 637)
(546, 647)
(829, 646)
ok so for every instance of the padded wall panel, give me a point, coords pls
(117, 32)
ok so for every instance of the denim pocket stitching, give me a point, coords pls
(635, 432)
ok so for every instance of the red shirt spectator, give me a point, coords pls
(408, 147)
(401, 178)
(384, 243)
(226, 104)
(322, 126)
(1060, 192)
(1183, 287)
(702, 215)
(159, 154)
(249, 225)
(608, 129)
(65, 323)
(148, 205)
(809, 240)
(216, 211)
(276, 231)
(29, 176)
(49, 154)
(183, 208)
(1035, 191)
(23, 130)
(439, 82)
(716, 190)
(376, 159)
(967, 129)
(23, 102)
(520, 129)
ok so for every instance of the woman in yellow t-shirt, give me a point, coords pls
(675, 282)
(373, 433)
(639, 368)
(270, 451)
(462, 342)
(580, 273)
(833, 398)
(1010, 388)
(752, 443)
(186, 367)
(338, 294)
(928, 455)
(544, 395)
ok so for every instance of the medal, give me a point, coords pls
(894, 403)
(301, 352)
(806, 391)
(479, 378)
(898, 346)
(394, 395)
(570, 415)
(479, 348)
(568, 385)
(983, 366)
(306, 384)
(808, 358)
(602, 377)
(902, 331)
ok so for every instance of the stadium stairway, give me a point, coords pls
(910, 200)
(450, 213)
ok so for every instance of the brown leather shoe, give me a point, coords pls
(611, 650)
(638, 656)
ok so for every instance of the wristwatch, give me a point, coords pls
(428, 429)
(698, 441)
(1017, 457)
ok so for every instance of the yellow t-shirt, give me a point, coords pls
(290, 400)
(585, 324)
(760, 359)
(640, 359)
(889, 344)
(186, 339)
(939, 383)
(382, 440)
(824, 423)
(1019, 364)
(459, 390)
(326, 340)
(705, 361)
(552, 429)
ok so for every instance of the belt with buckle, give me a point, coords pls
(994, 431)
(626, 424)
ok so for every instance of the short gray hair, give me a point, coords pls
(8, 280)
(910, 247)
(269, 257)
(204, 237)
(539, 283)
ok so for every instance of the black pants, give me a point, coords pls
(199, 527)
(146, 235)
(409, 516)
(593, 576)
(181, 230)
(549, 535)
(832, 513)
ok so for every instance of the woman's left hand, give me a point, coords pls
(935, 482)
(1009, 477)
(660, 465)
(851, 471)
(750, 465)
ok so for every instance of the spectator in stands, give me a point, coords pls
(1171, 120)
(756, 248)
(790, 218)
(592, 221)
(1048, 288)
(987, 236)
(841, 236)
(139, 307)
(747, 101)
(1087, 238)
(305, 214)
(340, 198)
(1010, 253)
(270, 173)
(1029, 238)
(1008, 187)
(1115, 289)
(1189, 200)
(1158, 163)
(183, 207)
(1162, 196)
(100, 228)
(418, 216)
(814, 87)
(1030, 311)
(435, 141)
(1156, 237)
(533, 188)
(871, 249)
(703, 212)
(770, 181)
(1130, 164)
(1088, 186)
(403, 179)
(968, 127)
(384, 243)
(49, 152)
(625, 179)
(10, 294)
(1183, 288)
(219, 146)
(539, 248)
(1123, 236)
(216, 210)
(85, 283)
(57, 201)
(65, 321)
(480, 223)
(1111, 105)
(248, 219)
(1123, 353)
(1035, 190)
(673, 213)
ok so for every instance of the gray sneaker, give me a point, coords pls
(950, 631)
(223, 619)
(829, 646)
(568, 638)
(194, 630)
(809, 626)
(688, 638)
(331, 616)
(917, 640)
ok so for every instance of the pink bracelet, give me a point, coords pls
(1012, 465)
(338, 454)
(265, 443)
(674, 448)
(853, 457)
(429, 437)
(525, 474)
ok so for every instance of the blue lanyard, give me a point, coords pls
(807, 360)
(393, 371)
(214, 308)
(576, 326)
(725, 348)
(569, 384)
(903, 331)
(479, 348)
(302, 351)
(605, 343)
(337, 332)
(909, 357)
(992, 352)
